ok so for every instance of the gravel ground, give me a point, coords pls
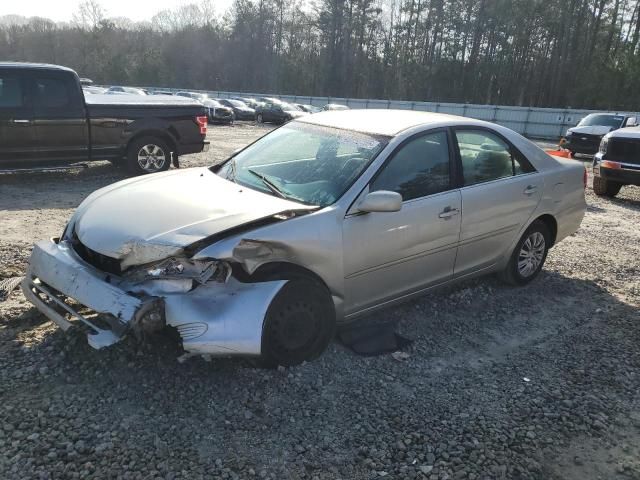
(500, 383)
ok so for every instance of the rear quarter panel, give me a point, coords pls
(113, 126)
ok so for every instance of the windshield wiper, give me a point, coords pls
(272, 186)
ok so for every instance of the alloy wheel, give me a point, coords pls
(531, 254)
(151, 158)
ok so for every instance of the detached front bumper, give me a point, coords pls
(213, 319)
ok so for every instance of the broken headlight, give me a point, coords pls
(200, 271)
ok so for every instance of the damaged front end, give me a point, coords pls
(214, 313)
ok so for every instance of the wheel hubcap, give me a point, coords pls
(151, 158)
(294, 327)
(531, 254)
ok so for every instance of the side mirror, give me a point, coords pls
(631, 122)
(381, 201)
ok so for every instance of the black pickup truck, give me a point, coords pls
(617, 163)
(45, 119)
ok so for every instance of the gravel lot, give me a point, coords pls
(500, 383)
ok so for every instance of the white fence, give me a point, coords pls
(532, 122)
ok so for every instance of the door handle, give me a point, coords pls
(530, 190)
(449, 212)
(21, 122)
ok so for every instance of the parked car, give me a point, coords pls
(279, 112)
(201, 97)
(334, 106)
(240, 109)
(307, 108)
(125, 91)
(617, 162)
(46, 119)
(249, 101)
(270, 100)
(587, 135)
(218, 113)
(320, 222)
(94, 90)
(86, 81)
(161, 92)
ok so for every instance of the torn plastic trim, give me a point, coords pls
(57, 275)
(55, 306)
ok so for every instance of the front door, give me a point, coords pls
(391, 254)
(17, 130)
(500, 192)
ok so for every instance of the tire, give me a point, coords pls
(529, 255)
(118, 163)
(605, 188)
(259, 118)
(153, 152)
(299, 324)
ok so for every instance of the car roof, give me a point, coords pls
(608, 114)
(44, 66)
(378, 122)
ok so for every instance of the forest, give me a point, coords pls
(555, 53)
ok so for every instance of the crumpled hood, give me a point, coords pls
(592, 130)
(150, 218)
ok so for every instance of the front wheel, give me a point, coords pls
(605, 188)
(529, 255)
(259, 118)
(299, 324)
(148, 155)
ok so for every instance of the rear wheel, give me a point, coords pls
(299, 324)
(605, 188)
(529, 255)
(148, 155)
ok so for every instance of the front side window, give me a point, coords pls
(306, 163)
(11, 95)
(419, 168)
(51, 93)
(486, 157)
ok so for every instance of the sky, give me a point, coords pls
(62, 10)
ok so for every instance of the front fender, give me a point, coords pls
(222, 318)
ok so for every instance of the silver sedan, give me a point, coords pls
(319, 222)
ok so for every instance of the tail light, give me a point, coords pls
(584, 179)
(202, 123)
(610, 164)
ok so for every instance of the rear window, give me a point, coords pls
(51, 93)
(11, 92)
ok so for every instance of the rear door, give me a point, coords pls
(60, 117)
(17, 130)
(500, 191)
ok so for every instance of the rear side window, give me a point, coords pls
(486, 157)
(51, 93)
(11, 94)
